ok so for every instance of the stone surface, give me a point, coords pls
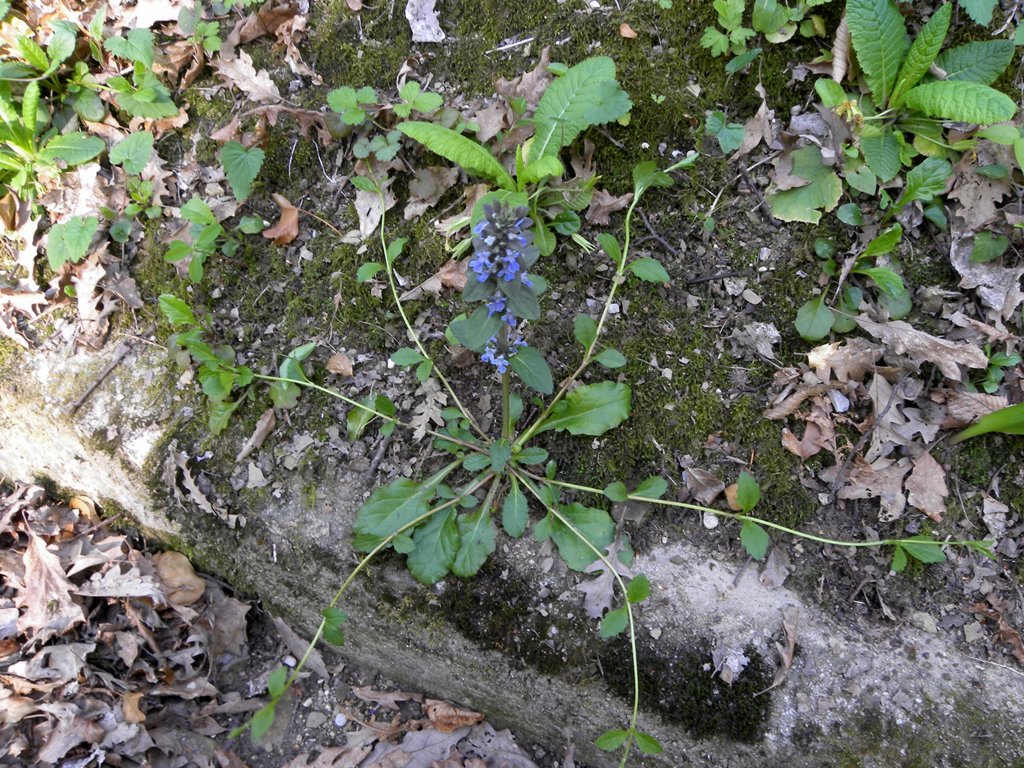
(515, 642)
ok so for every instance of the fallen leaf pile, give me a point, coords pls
(106, 652)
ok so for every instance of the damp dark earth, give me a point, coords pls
(456, 385)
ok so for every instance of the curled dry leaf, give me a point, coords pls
(447, 718)
(819, 434)
(334, 757)
(240, 72)
(339, 364)
(841, 51)
(451, 275)
(181, 584)
(264, 427)
(790, 619)
(903, 339)
(847, 361)
(386, 699)
(603, 204)
(704, 486)
(287, 227)
(757, 129)
(963, 408)
(627, 31)
(49, 607)
(130, 708)
(732, 497)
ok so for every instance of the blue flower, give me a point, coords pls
(496, 305)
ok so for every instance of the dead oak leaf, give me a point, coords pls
(426, 188)
(819, 434)
(926, 487)
(882, 480)
(451, 275)
(339, 364)
(46, 596)
(386, 699)
(447, 718)
(287, 227)
(847, 361)
(603, 204)
(240, 72)
(903, 339)
(998, 287)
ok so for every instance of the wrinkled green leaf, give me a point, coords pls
(963, 101)
(879, 36)
(464, 152)
(806, 203)
(73, 148)
(591, 409)
(388, 509)
(434, 546)
(477, 540)
(882, 154)
(979, 62)
(922, 53)
(924, 181)
(614, 623)
(638, 589)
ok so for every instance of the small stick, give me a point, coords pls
(509, 46)
(655, 235)
(761, 202)
(379, 456)
(71, 408)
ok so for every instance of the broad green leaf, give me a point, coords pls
(736, 63)
(988, 247)
(830, 92)
(754, 539)
(616, 491)
(879, 37)
(654, 487)
(884, 242)
(500, 453)
(1009, 421)
(391, 507)
(368, 270)
(925, 549)
(649, 270)
(137, 46)
(175, 310)
(474, 332)
(961, 101)
(861, 179)
(769, 17)
(261, 722)
(595, 525)
(887, 280)
(220, 415)
(922, 53)
(1004, 134)
(476, 462)
(73, 148)
(729, 135)
(477, 540)
(88, 105)
(814, 320)
(610, 358)
(748, 492)
(899, 559)
(591, 409)
(980, 11)
(197, 211)
(646, 174)
(639, 589)
(648, 744)
(531, 367)
(584, 329)
(406, 356)
(850, 213)
(614, 623)
(806, 203)
(32, 53)
(521, 300)
(133, 152)
(70, 240)
(514, 512)
(980, 62)
(924, 181)
(882, 154)
(587, 94)
(611, 740)
(611, 247)
(241, 166)
(334, 621)
(466, 153)
(276, 682)
(435, 544)
(532, 455)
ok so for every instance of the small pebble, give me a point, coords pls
(289, 661)
(315, 719)
(340, 721)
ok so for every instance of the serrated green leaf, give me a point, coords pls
(435, 544)
(638, 589)
(477, 540)
(531, 367)
(806, 203)
(475, 462)
(590, 409)
(32, 53)
(596, 526)
(391, 507)
(515, 511)
(960, 100)
(241, 166)
(922, 53)
(884, 242)
(137, 46)
(69, 241)
(924, 181)
(276, 682)
(814, 320)
(261, 722)
(584, 329)
(1009, 421)
(614, 623)
(587, 94)
(980, 11)
(610, 358)
(748, 492)
(879, 36)
(899, 559)
(500, 452)
(754, 539)
(175, 310)
(648, 744)
(616, 491)
(73, 148)
(334, 621)
(466, 153)
(714, 41)
(649, 270)
(924, 549)
(980, 62)
(654, 487)
(882, 154)
(611, 740)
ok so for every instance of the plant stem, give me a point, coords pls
(506, 410)
(622, 586)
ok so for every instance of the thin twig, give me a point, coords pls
(509, 46)
(761, 202)
(126, 346)
(378, 457)
(655, 235)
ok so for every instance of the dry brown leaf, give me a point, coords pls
(979, 196)
(447, 718)
(847, 361)
(998, 287)
(95, 305)
(757, 129)
(265, 21)
(529, 86)
(451, 275)
(819, 434)
(491, 121)
(287, 227)
(181, 584)
(333, 757)
(386, 699)
(290, 34)
(903, 339)
(776, 569)
(963, 408)
(841, 51)
(46, 597)
(370, 208)
(882, 480)
(790, 619)
(602, 205)
(627, 31)
(427, 187)
(732, 493)
(241, 73)
(339, 364)
(703, 485)
(791, 402)
(264, 427)
(926, 487)
(130, 707)
(422, 18)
